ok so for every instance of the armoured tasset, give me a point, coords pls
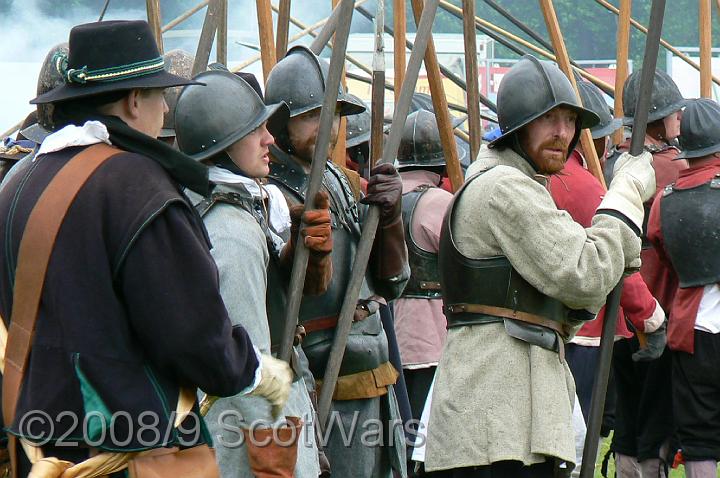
(207, 119)
(490, 290)
(424, 282)
(529, 90)
(666, 97)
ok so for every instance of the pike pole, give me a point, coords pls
(621, 71)
(372, 219)
(612, 305)
(207, 35)
(377, 95)
(471, 78)
(327, 113)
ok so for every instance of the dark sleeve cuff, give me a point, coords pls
(621, 217)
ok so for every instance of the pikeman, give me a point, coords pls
(419, 321)
(643, 418)
(683, 227)
(226, 125)
(518, 278)
(129, 320)
(364, 393)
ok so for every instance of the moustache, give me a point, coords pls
(555, 144)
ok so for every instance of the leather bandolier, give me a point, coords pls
(366, 352)
(424, 280)
(690, 223)
(490, 290)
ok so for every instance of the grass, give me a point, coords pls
(679, 472)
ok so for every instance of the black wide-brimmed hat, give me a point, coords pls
(110, 56)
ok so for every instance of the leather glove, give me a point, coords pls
(385, 190)
(275, 382)
(633, 183)
(315, 227)
(656, 342)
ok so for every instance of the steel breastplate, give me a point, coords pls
(424, 282)
(491, 281)
(367, 344)
(690, 223)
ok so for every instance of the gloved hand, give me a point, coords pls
(275, 382)
(385, 190)
(315, 227)
(633, 183)
(655, 346)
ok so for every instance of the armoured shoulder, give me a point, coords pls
(287, 175)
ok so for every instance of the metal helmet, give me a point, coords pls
(177, 62)
(700, 129)
(210, 118)
(48, 79)
(593, 99)
(358, 126)
(666, 97)
(529, 90)
(299, 80)
(420, 142)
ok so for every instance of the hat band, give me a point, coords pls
(106, 75)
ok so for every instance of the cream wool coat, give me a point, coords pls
(496, 397)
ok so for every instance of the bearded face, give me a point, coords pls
(303, 131)
(546, 140)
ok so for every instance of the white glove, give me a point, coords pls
(633, 183)
(275, 382)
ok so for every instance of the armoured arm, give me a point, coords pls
(169, 283)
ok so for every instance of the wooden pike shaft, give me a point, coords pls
(153, 15)
(267, 40)
(621, 71)
(317, 169)
(283, 28)
(665, 44)
(222, 33)
(471, 77)
(372, 218)
(705, 14)
(341, 144)
(181, 18)
(207, 35)
(607, 88)
(442, 115)
(563, 59)
(378, 89)
(400, 27)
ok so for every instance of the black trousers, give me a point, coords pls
(500, 469)
(696, 398)
(418, 383)
(644, 418)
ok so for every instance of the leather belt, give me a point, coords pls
(427, 285)
(506, 314)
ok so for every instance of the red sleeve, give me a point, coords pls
(637, 301)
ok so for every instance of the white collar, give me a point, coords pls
(92, 132)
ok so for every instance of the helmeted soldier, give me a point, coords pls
(643, 419)
(419, 321)
(180, 63)
(122, 323)
(357, 142)
(226, 125)
(365, 386)
(518, 277)
(683, 228)
(577, 191)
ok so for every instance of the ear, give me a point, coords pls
(131, 104)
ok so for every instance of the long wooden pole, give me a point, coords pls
(561, 53)
(705, 14)
(372, 218)
(612, 305)
(606, 87)
(622, 68)
(400, 27)
(340, 145)
(181, 18)
(471, 77)
(283, 28)
(153, 15)
(377, 112)
(442, 114)
(222, 33)
(267, 39)
(207, 36)
(665, 44)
